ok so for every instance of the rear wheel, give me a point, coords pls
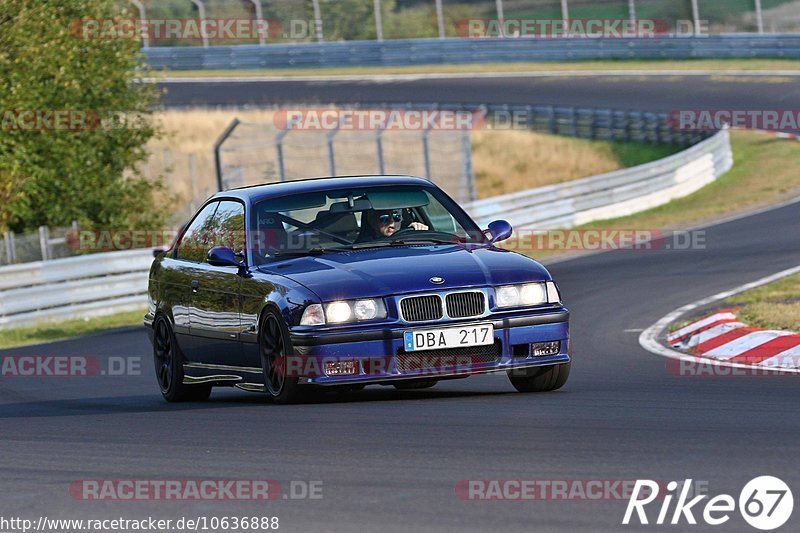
(415, 385)
(541, 379)
(169, 366)
(275, 347)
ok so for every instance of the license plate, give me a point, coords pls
(456, 337)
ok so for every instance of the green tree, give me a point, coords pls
(51, 176)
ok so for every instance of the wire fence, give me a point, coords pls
(257, 153)
(353, 20)
(42, 245)
(260, 152)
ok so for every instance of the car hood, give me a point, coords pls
(385, 271)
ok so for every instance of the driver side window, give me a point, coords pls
(199, 236)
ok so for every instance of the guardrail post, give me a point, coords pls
(426, 154)
(696, 17)
(551, 119)
(440, 18)
(201, 11)
(331, 152)
(143, 18)
(565, 10)
(573, 118)
(279, 149)
(44, 244)
(500, 16)
(378, 20)
(759, 17)
(193, 181)
(627, 125)
(217, 150)
(632, 12)
(259, 15)
(467, 173)
(379, 151)
(11, 248)
(318, 21)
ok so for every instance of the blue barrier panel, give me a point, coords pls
(454, 51)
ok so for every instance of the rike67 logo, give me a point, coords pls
(765, 503)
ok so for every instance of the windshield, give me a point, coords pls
(364, 217)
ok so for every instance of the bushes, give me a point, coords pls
(51, 174)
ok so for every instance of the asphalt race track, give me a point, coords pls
(390, 461)
(627, 92)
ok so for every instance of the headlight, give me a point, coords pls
(313, 316)
(344, 311)
(527, 294)
(338, 312)
(355, 310)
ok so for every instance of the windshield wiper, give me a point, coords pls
(402, 242)
(311, 251)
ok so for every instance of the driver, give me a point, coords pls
(386, 223)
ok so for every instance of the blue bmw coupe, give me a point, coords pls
(347, 282)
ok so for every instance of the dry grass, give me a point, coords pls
(504, 161)
(191, 134)
(774, 306)
(510, 161)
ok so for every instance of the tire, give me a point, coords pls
(274, 347)
(415, 385)
(541, 379)
(168, 363)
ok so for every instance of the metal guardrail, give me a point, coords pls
(455, 51)
(74, 287)
(100, 284)
(610, 195)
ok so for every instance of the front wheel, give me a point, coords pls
(169, 367)
(275, 348)
(540, 379)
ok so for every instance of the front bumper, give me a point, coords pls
(380, 357)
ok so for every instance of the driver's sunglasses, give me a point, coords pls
(387, 218)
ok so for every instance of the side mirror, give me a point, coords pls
(499, 230)
(158, 251)
(222, 257)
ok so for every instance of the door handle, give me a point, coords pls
(195, 285)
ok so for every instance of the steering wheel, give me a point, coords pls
(403, 231)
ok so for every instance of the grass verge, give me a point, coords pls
(48, 332)
(773, 306)
(764, 173)
(722, 65)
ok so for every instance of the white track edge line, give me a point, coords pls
(470, 75)
(649, 337)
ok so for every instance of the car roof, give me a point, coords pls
(255, 193)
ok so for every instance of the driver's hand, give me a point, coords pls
(418, 226)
